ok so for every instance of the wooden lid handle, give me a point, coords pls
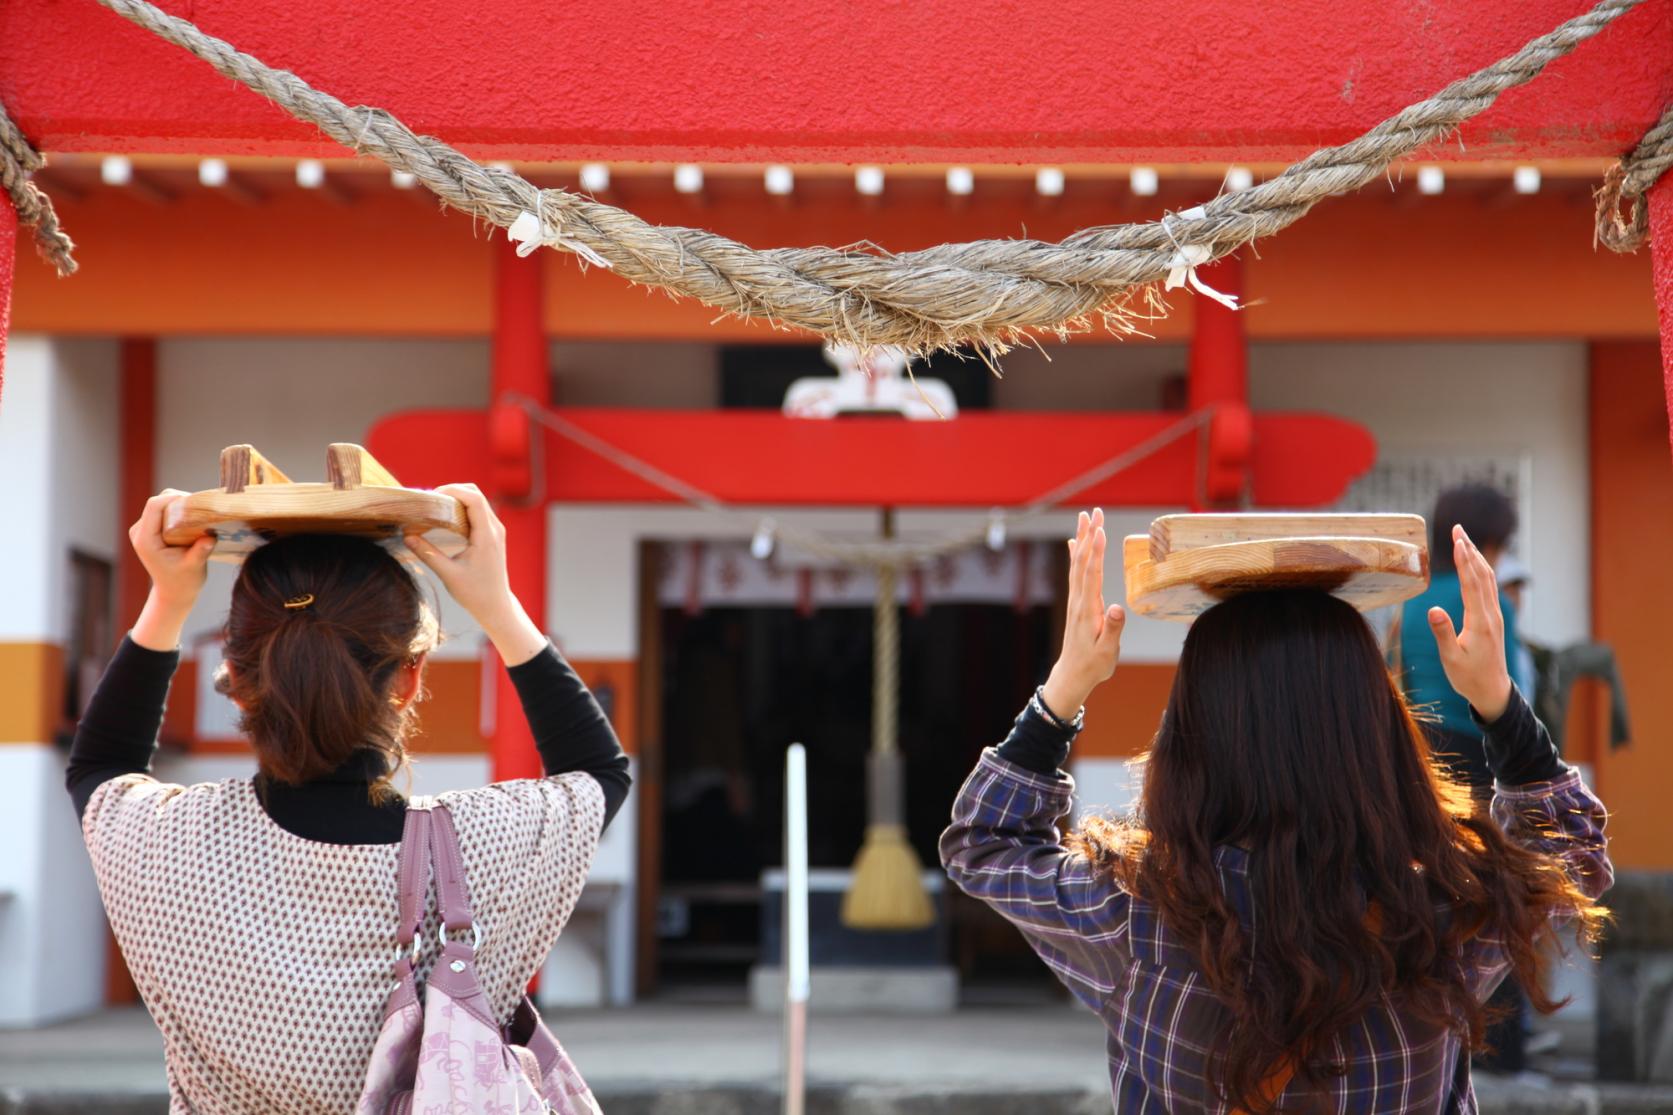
(242, 466)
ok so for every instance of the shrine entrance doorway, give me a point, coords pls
(754, 655)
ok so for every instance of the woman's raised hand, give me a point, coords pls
(476, 577)
(1474, 659)
(177, 575)
(1091, 631)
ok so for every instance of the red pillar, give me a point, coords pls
(1661, 263)
(137, 456)
(519, 368)
(8, 258)
(1218, 376)
(136, 464)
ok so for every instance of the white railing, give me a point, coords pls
(796, 975)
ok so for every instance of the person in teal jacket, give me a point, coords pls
(1489, 518)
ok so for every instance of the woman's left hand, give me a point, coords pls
(1474, 658)
(1091, 630)
(477, 578)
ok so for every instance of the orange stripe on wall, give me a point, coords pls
(180, 714)
(1632, 610)
(449, 719)
(615, 682)
(1122, 715)
(31, 692)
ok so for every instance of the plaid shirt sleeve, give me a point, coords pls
(1562, 818)
(1004, 848)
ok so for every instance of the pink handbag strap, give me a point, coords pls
(413, 878)
(430, 843)
(452, 892)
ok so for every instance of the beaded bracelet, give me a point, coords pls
(1038, 703)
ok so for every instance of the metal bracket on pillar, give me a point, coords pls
(513, 477)
(1228, 453)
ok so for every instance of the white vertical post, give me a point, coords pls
(796, 975)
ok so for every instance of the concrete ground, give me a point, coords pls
(724, 1060)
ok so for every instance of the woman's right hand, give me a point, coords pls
(177, 575)
(476, 577)
(1091, 631)
(1474, 659)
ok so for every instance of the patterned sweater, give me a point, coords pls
(266, 958)
(260, 930)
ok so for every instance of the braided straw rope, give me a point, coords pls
(18, 160)
(986, 293)
(1627, 182)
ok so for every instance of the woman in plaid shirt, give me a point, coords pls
(1305, 913)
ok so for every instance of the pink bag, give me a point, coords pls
(445, 1055)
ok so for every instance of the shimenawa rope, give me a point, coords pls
(1627, 182)
(18, 160)
(985, 294)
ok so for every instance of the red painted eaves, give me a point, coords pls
(845, 80)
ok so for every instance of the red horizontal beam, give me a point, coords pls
(975, 460)
(843, 80)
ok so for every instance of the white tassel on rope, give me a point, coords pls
(1186, 259)
(529, 234)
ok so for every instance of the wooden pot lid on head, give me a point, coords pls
(257, 503)
(1189, 563)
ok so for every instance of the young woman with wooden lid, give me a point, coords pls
(1305, 912)
(258, 915)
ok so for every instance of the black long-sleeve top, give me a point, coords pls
(117, 735)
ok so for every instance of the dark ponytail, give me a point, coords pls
(318, 628)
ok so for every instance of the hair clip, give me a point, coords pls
(297, 602)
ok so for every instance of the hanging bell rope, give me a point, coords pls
(887, 890)
(985, 294)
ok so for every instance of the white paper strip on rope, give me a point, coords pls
(724, 574)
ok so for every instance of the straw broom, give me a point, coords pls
(888, 887)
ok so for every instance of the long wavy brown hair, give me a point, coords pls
(1286, 736)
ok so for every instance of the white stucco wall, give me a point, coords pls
(27, 449)
(58, 435)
